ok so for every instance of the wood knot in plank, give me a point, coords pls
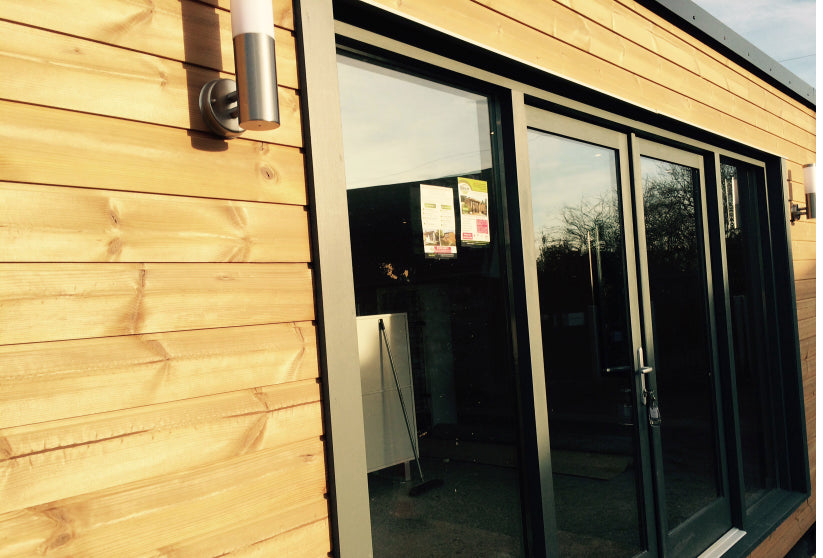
(268, 173)
(5, 449)
(138, 303)
(63, 530)
(115, 247)
(253, 438)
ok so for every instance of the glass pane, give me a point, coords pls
(581, 274)
(747, 321)
(681, 337)
(424, 214)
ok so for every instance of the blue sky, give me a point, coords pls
(783, 29)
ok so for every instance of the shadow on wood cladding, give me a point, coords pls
(208, 31)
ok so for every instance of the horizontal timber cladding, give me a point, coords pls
(49, 223)
(63, 379)
(220, 508)
(59, 459)
(804, 269)
(158, 359)
(65, 148)
(51, 302)
(188, 31)
(54, 70)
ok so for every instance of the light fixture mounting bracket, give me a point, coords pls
(218, 105)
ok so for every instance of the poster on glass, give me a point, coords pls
(474, 211)
(439, 224)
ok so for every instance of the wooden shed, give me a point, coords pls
(613, 356)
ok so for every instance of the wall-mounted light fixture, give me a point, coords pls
(809, 209)
(231, 107)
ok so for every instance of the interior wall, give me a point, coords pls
(627, 51)
(158, 357)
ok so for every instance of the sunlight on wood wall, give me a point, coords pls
(157, 348)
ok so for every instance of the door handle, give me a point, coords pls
(649, 395)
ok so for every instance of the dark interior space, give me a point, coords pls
(464, 395)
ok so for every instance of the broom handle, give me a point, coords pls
(400, 394)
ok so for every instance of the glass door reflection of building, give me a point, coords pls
(627, 341)
(424, 212)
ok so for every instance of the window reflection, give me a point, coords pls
(586, 344)
(681, 337)
(747, 320)
(417, 152)
(400, 128)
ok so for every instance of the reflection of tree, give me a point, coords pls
(669, 203)
(582, 226)
(580, 269)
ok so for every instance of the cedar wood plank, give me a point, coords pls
(48, 146)
(61, 224)
(803, 250)
(182, 30)
(307, 541)
(51, 302)
(263, 494)
(50, 461)
(804, 229)
(50, 69)
(805, 269)
(57, 380)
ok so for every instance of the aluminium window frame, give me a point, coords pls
(317, 26)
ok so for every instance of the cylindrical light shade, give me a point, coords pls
(811, 192)
(252, 16)
(252, 27)
(808, 178)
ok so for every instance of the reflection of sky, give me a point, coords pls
(398, 128)
(653, 170)
(565, 173)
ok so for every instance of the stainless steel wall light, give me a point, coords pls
(231, 107)
(809, 210)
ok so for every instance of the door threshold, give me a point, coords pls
(723, 544)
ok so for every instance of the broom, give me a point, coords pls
(424, 484)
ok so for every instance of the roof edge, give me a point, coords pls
(701, 24)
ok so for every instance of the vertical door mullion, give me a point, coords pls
(713, 345)
(646, 490)
(654, 435)
(535, 335)
(725, 348)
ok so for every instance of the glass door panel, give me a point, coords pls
(741, 192)
(628, 342)
(425, 219)
(679, 333)
(578, 200)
